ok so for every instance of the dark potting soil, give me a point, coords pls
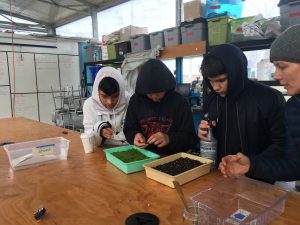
(130, 155)
(178, 166)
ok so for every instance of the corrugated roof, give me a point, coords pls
(54, 12)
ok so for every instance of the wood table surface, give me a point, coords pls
(88, 190)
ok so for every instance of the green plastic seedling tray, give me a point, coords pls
(130, 167)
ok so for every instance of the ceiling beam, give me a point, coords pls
(62, 6)
(110, 4)
(87, 3)
(23, 17)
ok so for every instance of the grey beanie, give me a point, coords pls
(286, 46)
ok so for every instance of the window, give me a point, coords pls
(79, 28)
(155, 15)
(191, 69)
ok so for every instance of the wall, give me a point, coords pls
(29, 72)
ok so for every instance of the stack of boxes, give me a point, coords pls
(222, 24)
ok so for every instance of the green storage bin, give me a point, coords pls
(218, 30)
(236, 31)
(111, 51)
(130, 167)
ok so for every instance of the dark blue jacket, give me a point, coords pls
(286, 168)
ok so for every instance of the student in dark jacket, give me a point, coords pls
(285, 55)
(247, 115)
(158, 118)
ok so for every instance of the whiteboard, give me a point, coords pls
(26, 105)
(47, 72)
(69, 71)
(3, 69)
(46, 107)
(25, 80)
(5, 102)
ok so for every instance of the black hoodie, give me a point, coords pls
(172, 115)
(250, 117)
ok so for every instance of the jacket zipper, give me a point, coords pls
(238, 122)
(225, 147)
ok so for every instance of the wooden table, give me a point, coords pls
(88, 190)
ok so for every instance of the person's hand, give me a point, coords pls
(203, 129)
(159, 139)
(140, 141)
(234, 165)
(107, 132)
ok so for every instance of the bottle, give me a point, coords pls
(208, 149)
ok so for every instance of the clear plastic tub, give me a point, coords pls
(239, 201)
(33, 153)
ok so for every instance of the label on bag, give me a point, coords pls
(43, 150)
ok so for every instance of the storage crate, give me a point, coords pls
(232, 8)
(93, 53)
(128, 31)
(157, 39)
(181, 178)
(140, 42)
(218, 30)
(192, 10)
(236, 30)
(130, 167)
(122, 48)
(33, 153)
(239, 201)
(172, 36)
(289, 14)
(111, 51)
(193, 31)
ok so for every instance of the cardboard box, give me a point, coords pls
(182, 178)
(192, 10)
(128, 31)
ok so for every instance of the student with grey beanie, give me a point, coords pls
(285, 55)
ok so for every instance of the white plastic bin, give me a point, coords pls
(33, 153)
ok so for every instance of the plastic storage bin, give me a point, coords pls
(236, 31)
(239, 201)
(157, 39)
(122, 48)
(181, 178)
(140, 42)
(218, 30)
(93, 53)
(111, 51)
(193, 31)
(33, 153)
(172, 36)
(289, 13)
(132, 166)
(232, 8)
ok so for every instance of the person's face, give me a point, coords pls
(219, 84)
(288, 74)
(156, 97)
(109, 101)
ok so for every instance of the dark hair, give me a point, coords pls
(212, 67)
(109, 86)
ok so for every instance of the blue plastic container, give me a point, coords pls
(232, 8)
(93, 72)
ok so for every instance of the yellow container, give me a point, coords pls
(181, 178)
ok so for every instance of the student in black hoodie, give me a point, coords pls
(158, 118)
(285, 55)
(248, 116)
